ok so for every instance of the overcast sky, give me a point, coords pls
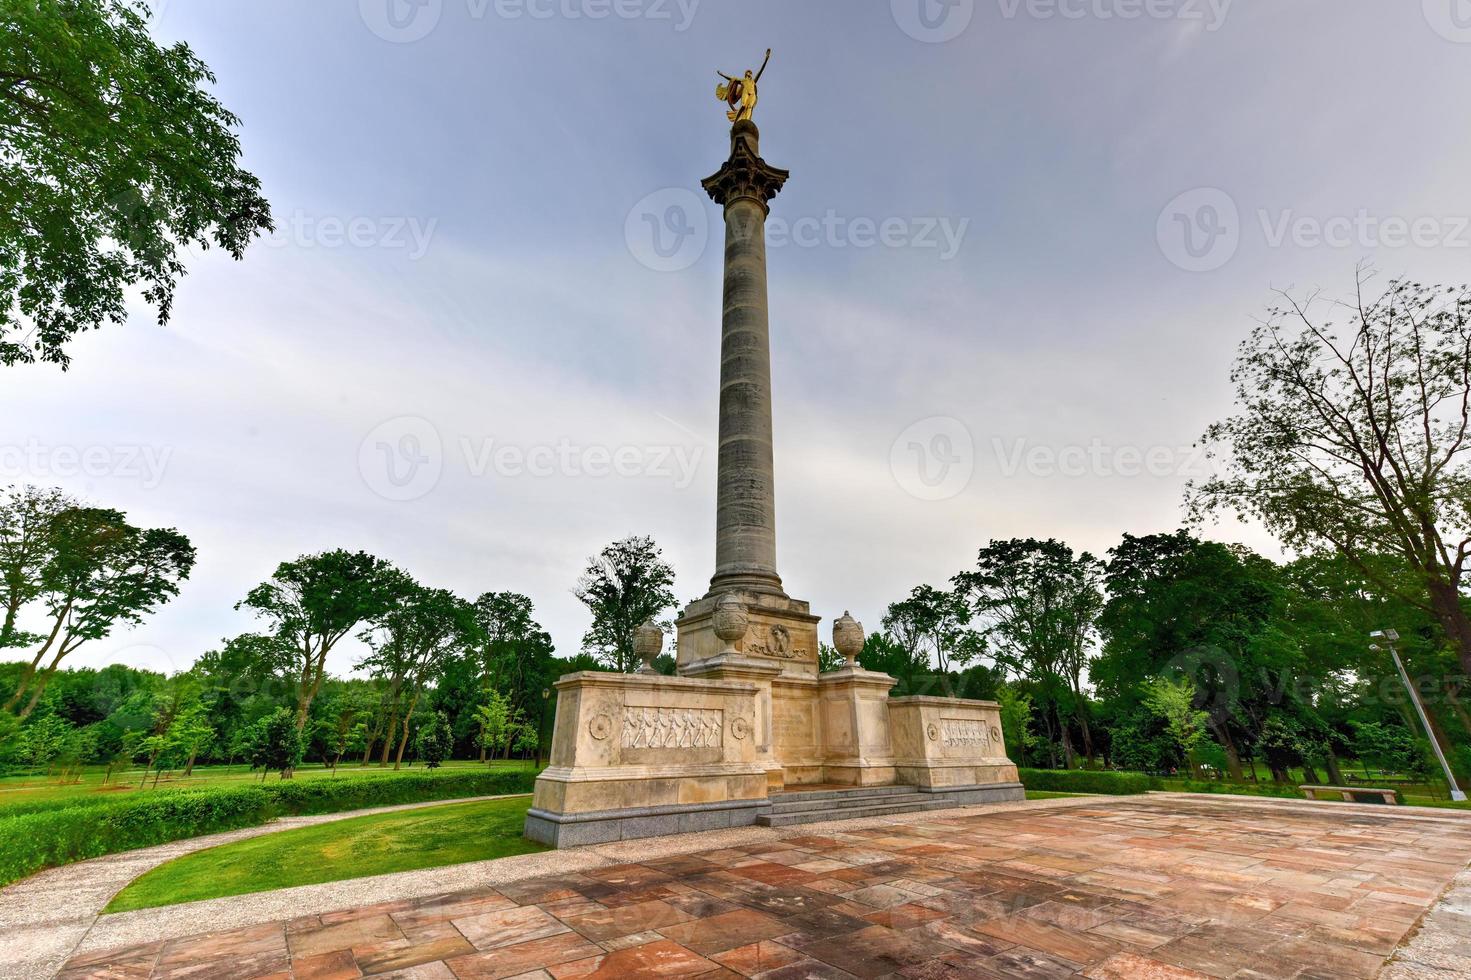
(1019, 245)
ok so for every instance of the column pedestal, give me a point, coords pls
(759, 674)
(857, 750)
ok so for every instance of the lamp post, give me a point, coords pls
(1390, 637)
(541, 725)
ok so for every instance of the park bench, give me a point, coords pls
(1351, 794)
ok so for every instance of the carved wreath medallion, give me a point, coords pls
(740, 728)
(600, 727)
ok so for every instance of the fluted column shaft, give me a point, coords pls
(745, 537)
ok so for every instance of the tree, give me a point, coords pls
(1038, 604)
(513, 652)
(275, 744)
(1282, 747)
(1213, 613)
(113, 158)
(1357, 436)
(1174, 702)
(434, 740)
(192, 734)
(885, 655)
(102, 572)
(493, 722)
(933, 625)
(43, 742)
(315, 601)
(26, 547)
(626, 585)
(411, 643)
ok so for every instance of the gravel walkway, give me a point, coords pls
(45, 917)
(1441, 950)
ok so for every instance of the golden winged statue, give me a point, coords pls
(740, 93)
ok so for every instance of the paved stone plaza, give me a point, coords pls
(1148, 887)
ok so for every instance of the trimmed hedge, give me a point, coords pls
(328, 795)
(62, 831)
(33, 841)
(1273, 790)
(1086, 781)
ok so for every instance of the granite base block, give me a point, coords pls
(972, 795)
(605, 826)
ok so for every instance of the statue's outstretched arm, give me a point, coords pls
(763, 65)
(724, 75)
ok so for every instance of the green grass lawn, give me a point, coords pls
(1036, 794)
(26, 789)
(425, 837)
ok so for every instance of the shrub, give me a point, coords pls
(1086, 781)
(49, 833)
(32, 841)
(308, 796)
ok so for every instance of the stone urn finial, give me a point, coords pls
(731, 622)
(848, 638)
(648, 643)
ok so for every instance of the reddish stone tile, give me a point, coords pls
(903, 917)
(661, 959)
(1131, 966)
(877, 951)
(337, 965)
(1079, 948)
(510, 961)
(371, 931)
(508, 927)
(723, 932)
(757, 958)
(612, 923)
(234, 944)
(387, 960)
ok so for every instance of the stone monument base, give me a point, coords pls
(642, 755)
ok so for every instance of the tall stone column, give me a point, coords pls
(745, 536)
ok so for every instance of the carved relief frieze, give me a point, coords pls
(672, 728)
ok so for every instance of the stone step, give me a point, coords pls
(876, 810)
(856, 792)
(780, 805)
